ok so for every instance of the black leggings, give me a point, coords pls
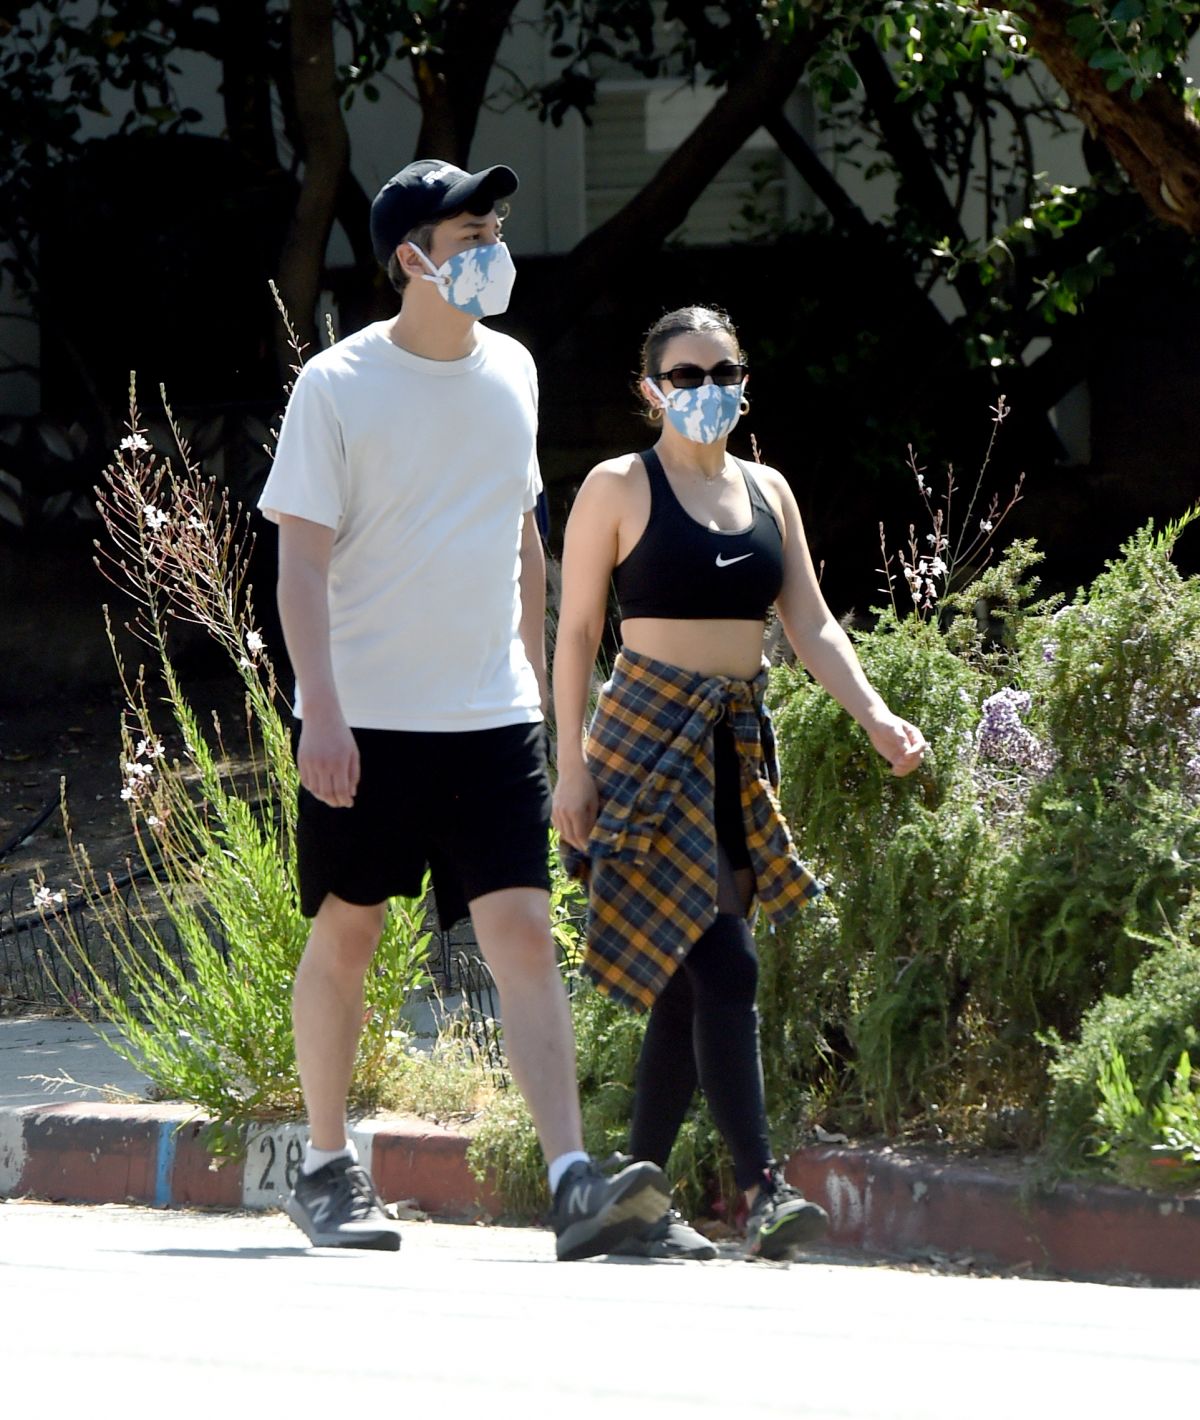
(703, 1028)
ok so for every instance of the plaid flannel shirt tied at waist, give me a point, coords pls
(651, 858)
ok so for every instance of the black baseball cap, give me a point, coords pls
(429, 189)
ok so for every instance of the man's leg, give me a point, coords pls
(327, 1011)
(334, 1201)
(512, 928)
(592, 1214)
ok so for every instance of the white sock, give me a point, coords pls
(315, 1159)
(559, 1166)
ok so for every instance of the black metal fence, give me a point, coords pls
(46, 961)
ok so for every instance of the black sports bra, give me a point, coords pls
(682, 570)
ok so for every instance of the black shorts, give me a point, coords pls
(472, 805)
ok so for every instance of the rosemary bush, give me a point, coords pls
(985, 907)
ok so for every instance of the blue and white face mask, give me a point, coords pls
(704, 414)
(478, 281)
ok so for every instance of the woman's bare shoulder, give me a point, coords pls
(769, 477)
(618, 477)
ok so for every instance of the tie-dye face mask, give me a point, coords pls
(704, 414)
(478, 281)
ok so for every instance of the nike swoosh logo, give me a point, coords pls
(729, 561)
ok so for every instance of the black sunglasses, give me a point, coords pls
(690, 377)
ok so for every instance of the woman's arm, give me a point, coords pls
(826, 650)
(589, 555)
(327, 756)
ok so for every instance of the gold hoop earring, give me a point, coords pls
(654, 413)
(744, 406)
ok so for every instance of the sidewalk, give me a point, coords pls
(62, 1143)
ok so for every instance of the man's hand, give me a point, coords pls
(328, 760)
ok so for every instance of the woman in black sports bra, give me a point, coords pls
(667, 812)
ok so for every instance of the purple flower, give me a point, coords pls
(1002, 738)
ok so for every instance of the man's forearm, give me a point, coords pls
(304, 615)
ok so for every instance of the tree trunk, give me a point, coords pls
(761, 87)
(246, 81)
(452, 79)
(1155, 139)
(325, 149)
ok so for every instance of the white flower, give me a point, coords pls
(154, 821)
(254, 642)
(985, 525)
(45, 898)
(152, 749)
(128, 792)
(135, 442)
(195, 523)
(155, 517)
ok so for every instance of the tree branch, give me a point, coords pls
(325, 148)
(758, 90)
(1155, 139)
(452, 79)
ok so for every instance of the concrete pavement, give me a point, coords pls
(104, 1308)
(81, 1141)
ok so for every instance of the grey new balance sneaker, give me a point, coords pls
(782, 1219)
(592, 1214)
(669, 1237)
(337, 1206)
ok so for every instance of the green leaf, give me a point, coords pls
(1084, 27)
(1108, 59)
(1126, 10)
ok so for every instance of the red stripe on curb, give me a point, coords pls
(423, 1161)
(909, 1207)
(98, 1154)
(197, 1179)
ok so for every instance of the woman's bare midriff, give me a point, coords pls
(729, 648)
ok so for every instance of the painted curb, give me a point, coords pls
(155, 1154)
(880, 1201)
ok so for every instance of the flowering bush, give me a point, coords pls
(980, 912)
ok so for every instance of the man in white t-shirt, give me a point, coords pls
(412, 596)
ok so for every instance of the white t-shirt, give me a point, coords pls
(425, 469)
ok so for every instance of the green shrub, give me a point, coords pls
(910, 868)
(993, 898)
(1109, 1081)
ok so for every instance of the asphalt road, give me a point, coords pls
(192, 1314)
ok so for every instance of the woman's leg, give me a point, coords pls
(666, 1073)
(723, 971)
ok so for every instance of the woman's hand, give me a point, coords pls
(575, 806)
(901, 744)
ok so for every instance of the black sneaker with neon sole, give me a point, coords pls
(670, 1237)
(337, 1206)
(782, 1219)
(593, 1214)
